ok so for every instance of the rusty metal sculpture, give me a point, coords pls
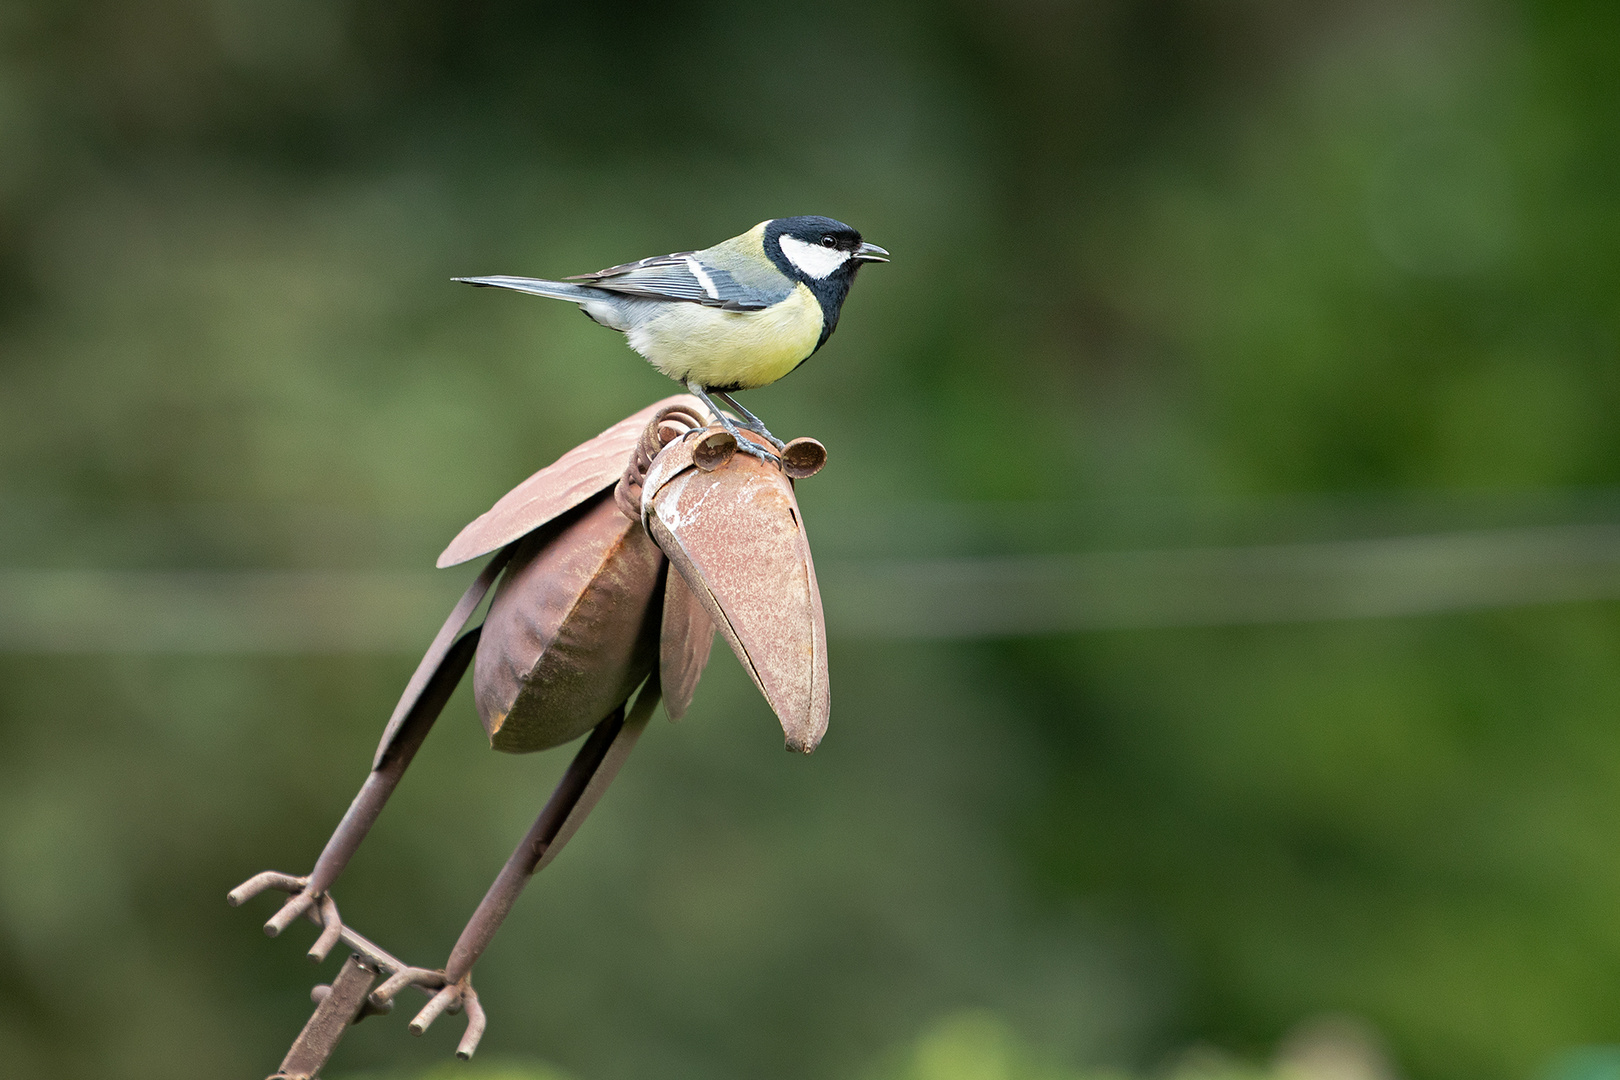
(586, 610)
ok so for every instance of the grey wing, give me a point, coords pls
(682, 276)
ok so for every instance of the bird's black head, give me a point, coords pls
(822, 253)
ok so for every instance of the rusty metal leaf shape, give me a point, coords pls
(588, 468)
(586, 608)
(684, 644)
(735, 535)
(572, 630)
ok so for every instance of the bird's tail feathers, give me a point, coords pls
(557, 290)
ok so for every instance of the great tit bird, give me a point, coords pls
(735, 316)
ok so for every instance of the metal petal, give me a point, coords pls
(572, 630)
(564, 484)
(684, 645)
(735, 536)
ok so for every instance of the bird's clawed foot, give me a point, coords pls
(747, 446)
(318, 907)
(752, 422)
(450, 998)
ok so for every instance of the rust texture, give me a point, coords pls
(585, 470)
(588, 775)
(338, 1008)
(669, 423)
(803, 457)
(713, 449)
(735, 535)
(409, 701)
(684, 644)
(572, 630)
(594, 594)
(592, 770)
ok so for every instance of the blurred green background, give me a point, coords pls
(1182, 276)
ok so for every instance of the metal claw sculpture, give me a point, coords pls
(616, 564)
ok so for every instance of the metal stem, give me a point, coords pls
(338, 1009)
(407, 740)
(588, 775)
(433, 660)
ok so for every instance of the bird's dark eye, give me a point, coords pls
(827, 241)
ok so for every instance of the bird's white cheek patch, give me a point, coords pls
(813, 259)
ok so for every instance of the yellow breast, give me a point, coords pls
(730, 349)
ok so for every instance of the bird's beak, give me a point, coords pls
(871, 253)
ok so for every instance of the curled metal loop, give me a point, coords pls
(713, 449)
(668, 424)
(803, 457)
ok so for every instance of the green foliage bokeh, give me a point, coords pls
(1318, 259)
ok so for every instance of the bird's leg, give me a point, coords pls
(747, 446)
(588, 776)
(750, 421)
(424, 698)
